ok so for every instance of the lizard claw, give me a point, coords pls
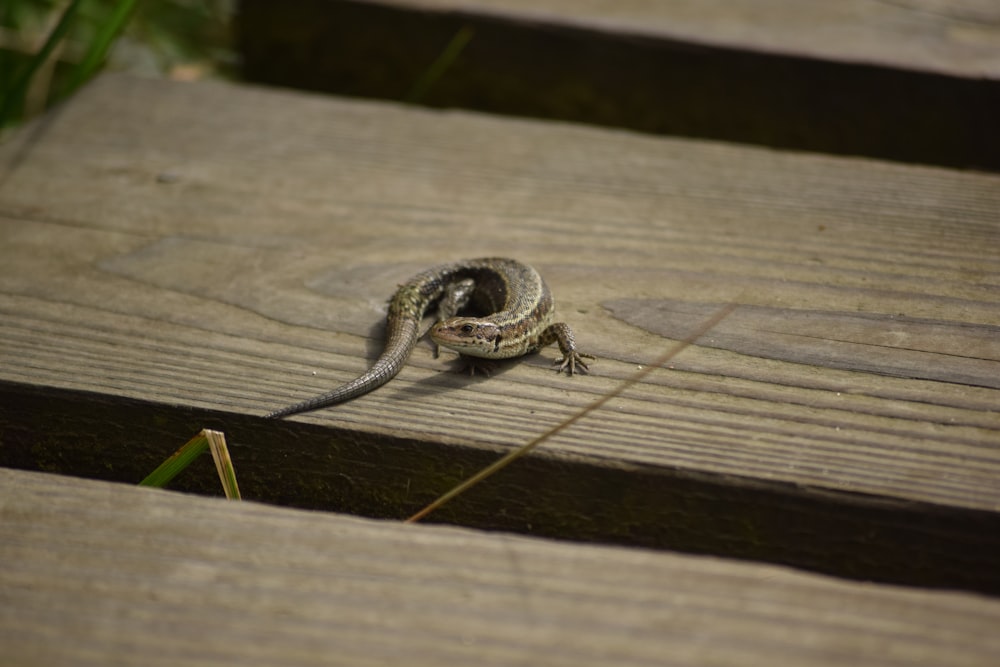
(569, 362)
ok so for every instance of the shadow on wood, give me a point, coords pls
(554, 67)
(848, 535)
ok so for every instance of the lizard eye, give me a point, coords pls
(468, 328)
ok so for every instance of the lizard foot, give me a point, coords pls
(571, 360)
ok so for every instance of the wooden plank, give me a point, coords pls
(165, 269)
(958, 38)
(106, 574)
(855, 77)
(913, 35)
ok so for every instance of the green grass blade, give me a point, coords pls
(15, 95)
(181, 459)
(97, 52)
(441, 65)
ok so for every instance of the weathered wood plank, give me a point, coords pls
(106, 574)
(240, 259)
(956, 37)
(914, 81)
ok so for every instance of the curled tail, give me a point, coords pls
(402, 338)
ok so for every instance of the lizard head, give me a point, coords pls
(469, 336)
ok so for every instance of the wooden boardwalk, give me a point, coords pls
(107, 574)
(180, 256)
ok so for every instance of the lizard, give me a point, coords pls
(515, 312)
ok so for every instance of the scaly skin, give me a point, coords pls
(518, 307)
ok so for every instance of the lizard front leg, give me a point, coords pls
(561, 333)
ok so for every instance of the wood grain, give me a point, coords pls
(213, 247)
(953, 37)
(916, 81)
(107, 574)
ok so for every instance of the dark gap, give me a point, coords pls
(612, 78)
(327, 468)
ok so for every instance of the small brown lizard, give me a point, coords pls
(516, 311)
